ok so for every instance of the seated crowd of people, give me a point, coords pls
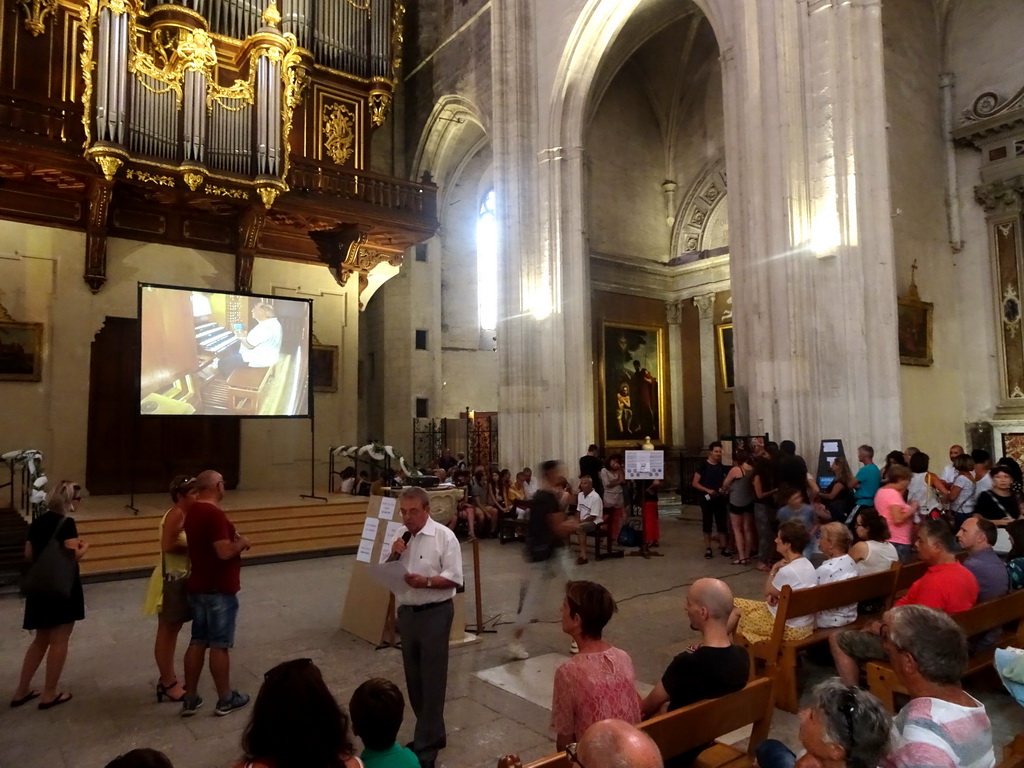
(878, 517)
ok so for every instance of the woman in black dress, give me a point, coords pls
(52, 618)
(999, 504)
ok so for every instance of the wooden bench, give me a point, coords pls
(992, 614)
(691, 727)
(780, 656)
(245, 386)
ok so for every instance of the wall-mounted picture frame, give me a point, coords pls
(323, 367)
(914, 323)
(726, 361)
(632, 384)
(21, 351)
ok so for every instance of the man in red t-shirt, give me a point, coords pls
(946, 586)
(214, 549)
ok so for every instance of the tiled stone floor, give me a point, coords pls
(293, 609)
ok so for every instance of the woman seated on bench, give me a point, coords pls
(598, 683)
(754, 618)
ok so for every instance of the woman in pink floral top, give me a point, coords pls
(599, 682)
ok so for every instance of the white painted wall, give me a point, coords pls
(932, 397)
(983, 54)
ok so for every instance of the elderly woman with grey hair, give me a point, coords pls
(942, 724)
(843, 727)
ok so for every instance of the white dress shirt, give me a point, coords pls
(265, 340)
(432, 552)
(590, 506)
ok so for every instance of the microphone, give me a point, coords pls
(395, 555)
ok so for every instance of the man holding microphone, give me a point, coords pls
(431, 554)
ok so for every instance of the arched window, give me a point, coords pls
(487, 264)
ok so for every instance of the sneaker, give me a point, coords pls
(573, 648)
(235, 701)
(190, 705)
(517, 651)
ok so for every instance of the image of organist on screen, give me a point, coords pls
(209, 353)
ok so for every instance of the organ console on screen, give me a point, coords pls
(211, 353)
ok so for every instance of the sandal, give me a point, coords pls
(581, 561)
(61, 699)
(164, 692)
(25, 699)
(738, 561)
(708, 554)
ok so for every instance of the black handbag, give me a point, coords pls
(53, 572)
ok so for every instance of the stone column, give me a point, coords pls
(813, 281)
(708, 387)
(674, 311)
(545, 346)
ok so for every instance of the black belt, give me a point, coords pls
(427, 607)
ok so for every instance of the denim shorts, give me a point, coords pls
(213, 619)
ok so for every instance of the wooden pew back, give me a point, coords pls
(690, 727)
(992, 614)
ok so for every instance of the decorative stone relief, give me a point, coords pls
(674, 312)
(701, 212)
(705, 305)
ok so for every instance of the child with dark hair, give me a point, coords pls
(377, 708)
(141, 758)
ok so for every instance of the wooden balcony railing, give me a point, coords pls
(417, 198)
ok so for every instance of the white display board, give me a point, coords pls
(645, 465)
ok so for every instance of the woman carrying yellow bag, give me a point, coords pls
(166, 595)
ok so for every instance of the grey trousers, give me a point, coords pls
(425, 658)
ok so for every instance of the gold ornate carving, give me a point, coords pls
(380, 105)
(397, 37)
(193, 180)
(268, 195)
(295, 74)
(165, 43)
(118, 7)
(235, 194)
(36, 12)
(196, 52)
(363, 6)
(86, 16)
(338, 131)
(272, 16)
(150, 178)
(109, 165)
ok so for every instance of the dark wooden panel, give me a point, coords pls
(125, 449)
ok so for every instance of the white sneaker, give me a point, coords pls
(573, 648)
(517, 651)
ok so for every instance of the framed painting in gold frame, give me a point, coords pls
(21, 351)
(632, 384)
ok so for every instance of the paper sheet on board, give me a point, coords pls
(387, 508)
(829, 447)
(370, 528)
(365, 551)
(390, 575)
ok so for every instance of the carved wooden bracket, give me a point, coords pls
(345, 251)
(250, 227)
(96, 233)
